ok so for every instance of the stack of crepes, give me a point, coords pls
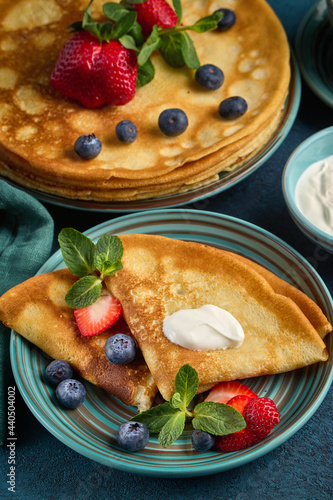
(284, 329)
(39, 126)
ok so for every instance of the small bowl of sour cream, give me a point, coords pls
(307, 185)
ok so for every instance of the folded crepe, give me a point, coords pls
(283, 327)
(37, 310)
(161, 276)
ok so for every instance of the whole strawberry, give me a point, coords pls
(95, 73)
(153, 12)
(261, 416)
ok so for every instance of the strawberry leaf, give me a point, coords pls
(84, 292)
(128, 42)
(146, 73)
(114, 11)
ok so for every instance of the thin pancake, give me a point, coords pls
(37, 310)
(39, 126)
(162, 275)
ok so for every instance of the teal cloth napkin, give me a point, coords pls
(26, 238)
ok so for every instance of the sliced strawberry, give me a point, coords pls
(224, 391)
(239, 402)
(99, 316)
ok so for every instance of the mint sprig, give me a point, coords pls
(168, 419)
(89, 261)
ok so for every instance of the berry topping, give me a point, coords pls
(202, 441)
(88, 146)
(239, 402)
(95, 73)
(224, 391)
(120, 349)
(227, 21)
(233, 107)
(99, 316)
(132, 436)
(261, 416)
(70, 393)
(126, 131)
(209, 76)
(173, 122)
(57, 371)
(153, 12)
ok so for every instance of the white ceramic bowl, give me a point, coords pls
(313, 149)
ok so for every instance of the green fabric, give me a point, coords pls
(26, 238)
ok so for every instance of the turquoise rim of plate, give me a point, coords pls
(225, 181)
(289, 180)
(315, 20)
(298, 394)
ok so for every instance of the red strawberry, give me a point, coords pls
(95, 73)
(239, 402)
(224, 391)
(99, 316)
(154, 12)
(260, 415)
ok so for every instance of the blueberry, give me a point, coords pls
(126, 131)
(120, 349)
(209, 76)
(57, 371)
(202, 441)
(227, 21)
(173, 122)
(88, 146)
(70, 393)
(233, 107)
(132, 436)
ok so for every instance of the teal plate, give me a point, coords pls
(91, 428)
(224, 181)
(314, 49)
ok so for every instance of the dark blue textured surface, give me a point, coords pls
(299, 469)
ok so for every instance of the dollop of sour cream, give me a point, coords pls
(314, 194)
(206, 328)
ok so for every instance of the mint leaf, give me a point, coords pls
(189, 52)
(84, 292)
(152, 43)
(171, 49)
(114, 11)
(176, 401)
(146, 73)
(186, 384)
(178, 9)
(107, 267)
(78, 251)
(124, 25)
(111, 246)
(206, 23)
(156, 417)
(172, 429)
(128, 42)
(217, 418)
